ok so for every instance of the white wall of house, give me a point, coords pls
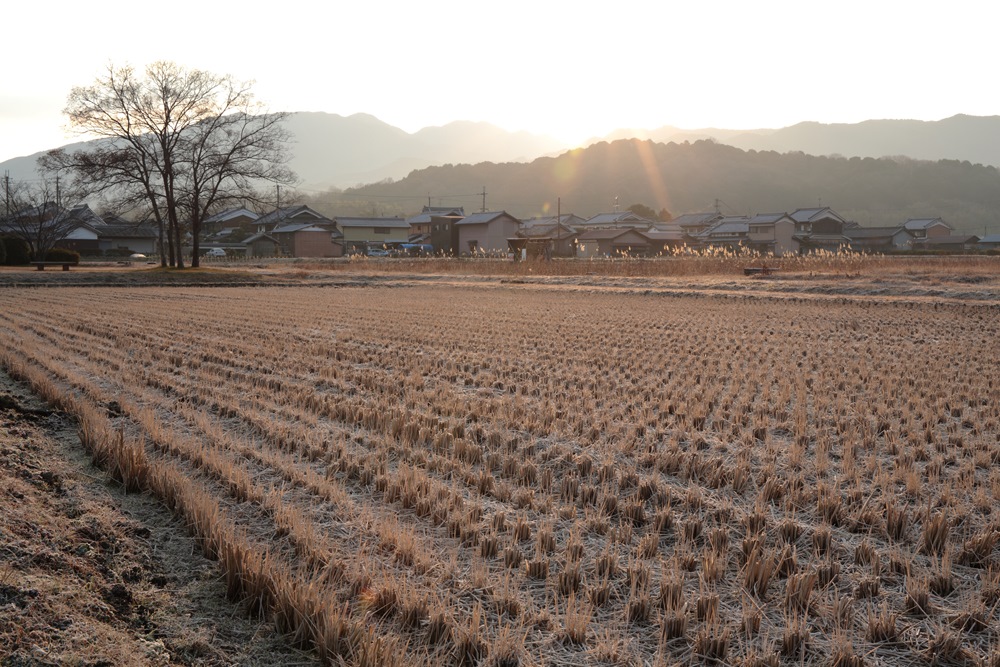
(902, 240)
(488, 237)
(784, 241)
(779, 234)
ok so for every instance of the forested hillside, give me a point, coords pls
(690, 177)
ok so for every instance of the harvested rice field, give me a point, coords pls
(519, 475)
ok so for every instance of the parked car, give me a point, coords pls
(417, 249)
(215, 252)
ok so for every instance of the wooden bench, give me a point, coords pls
(41, 265)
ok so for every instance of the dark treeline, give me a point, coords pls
(690, 177)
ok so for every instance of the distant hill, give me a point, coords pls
(972, 138)
(689, 177)
(331, 150)
(337, 151)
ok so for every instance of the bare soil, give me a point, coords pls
(91, 576)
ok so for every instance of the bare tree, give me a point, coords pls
(177, 143)
(33, 212)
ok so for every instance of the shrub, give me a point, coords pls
(16, 250)
(62, 255)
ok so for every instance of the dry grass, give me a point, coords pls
(446, 474)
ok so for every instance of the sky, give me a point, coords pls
(571, 70)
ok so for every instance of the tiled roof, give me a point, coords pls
(615, 218)
(605, 234)
(655, 235)
(767, 218)
(811, 214)
(230, 213)
(924, 223)
(290, 213)
(732, 226)
(483, 218)
(257, 237)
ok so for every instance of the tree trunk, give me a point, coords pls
(163, 245)
(195, 232)
(180, 245)
(170, 244)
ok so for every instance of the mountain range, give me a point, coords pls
(970, 138)
(330, 150)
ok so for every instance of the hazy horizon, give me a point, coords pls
(552, 68)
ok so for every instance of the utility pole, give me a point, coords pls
(58, 195)
(6, 190)
(484, 199)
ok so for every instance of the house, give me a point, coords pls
(443, 234)
(692, 224)
(359, 232)
(879, 239)
(820, 228)
(84, 231)
(486, 232)
(612, 243)
(261, 245)
(231, 218)
(127, 238)
(570, 220)
(807, 219)
(728, 232)
(664, 241)
(990, 242)
(958, 243)
(421, 223)
(559, 236)
(289, 215)
(305, 240)
(616, 220)
(927, 228)
(772, 233)
(302, 232)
